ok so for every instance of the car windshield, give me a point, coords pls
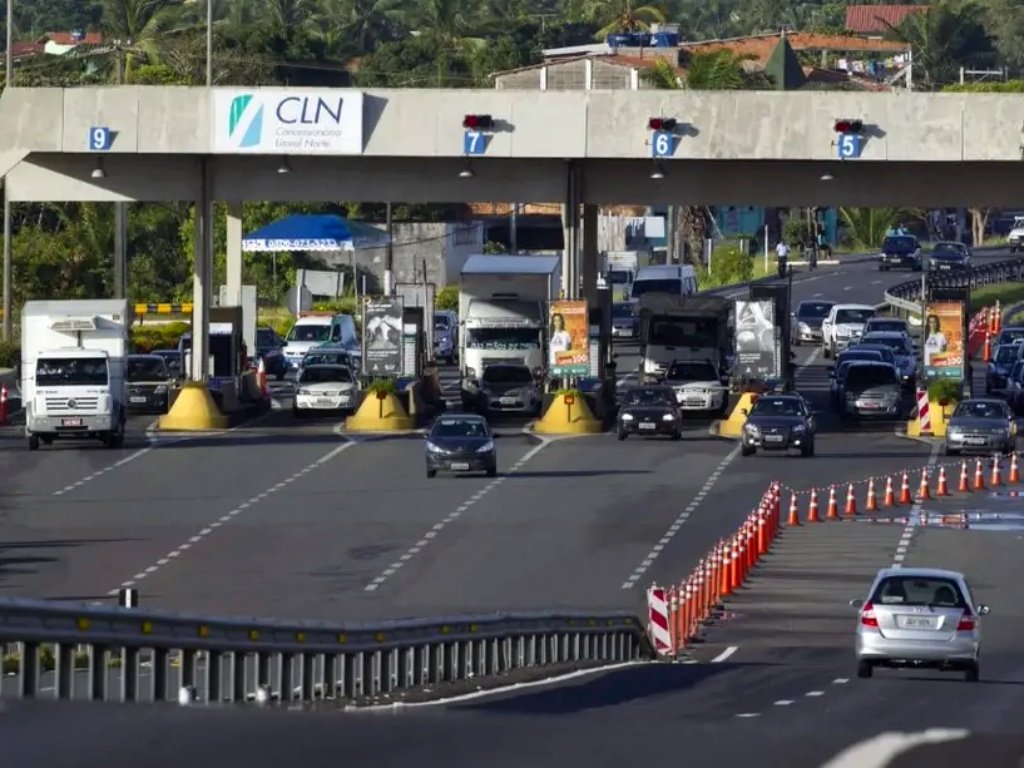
(442, 322)
(778, 406)
(897, 344)
(146, 369)
(1006, 355)
(266, 338)
(71, 371)
(618, 277)
(622, 310)
(453, 427)
(322, 375)
(894, 326)
(982, 410)
(853, 316)
(899, 243)
(309, 333)
(917, 590)
(884, 353)
(692, 372)
(870, 376)
(947, 249)
(507, 374)
(860, 354)
(325, 358)
(672, 285)
(1010, 335)
(813, 309)
(650, 396)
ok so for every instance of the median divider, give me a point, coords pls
(193, 410)
(380, 411)
(568, 413)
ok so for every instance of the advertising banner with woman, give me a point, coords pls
(944, 340)
(568, 338)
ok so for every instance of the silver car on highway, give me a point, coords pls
(919, 618)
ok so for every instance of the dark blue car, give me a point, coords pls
(269, 348)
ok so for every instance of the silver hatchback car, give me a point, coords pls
(919, 618)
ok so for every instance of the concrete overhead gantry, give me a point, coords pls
(579, 149)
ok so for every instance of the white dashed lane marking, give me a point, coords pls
(903, 547)
(100, 472)
(231, 515)
(648, 561)
(791, 702)
(452, 516)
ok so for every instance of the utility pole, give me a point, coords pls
(120, 223)
(8, 321)
(209, 43)
(513, 225)
(389, 253)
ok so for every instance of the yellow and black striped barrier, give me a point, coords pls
(163, 309)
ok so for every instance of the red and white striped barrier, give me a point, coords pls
(924, 417)
(657, 615)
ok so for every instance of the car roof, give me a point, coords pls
(460, 417)
(882, 335)
(886, 319)
(853, 306)
(920, 572)
(818, 301)
(988, 400)
(326, 366)
(143, 355)
(949, 242)
(799, 398)
(869, 362)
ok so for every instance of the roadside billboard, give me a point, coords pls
(944, 340)
(568, 338)
(756, 343)
(382, 336)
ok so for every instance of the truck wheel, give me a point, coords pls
(33, 442)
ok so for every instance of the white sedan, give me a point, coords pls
(325, 388)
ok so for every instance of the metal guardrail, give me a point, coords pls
(906, 296)
(68, 651)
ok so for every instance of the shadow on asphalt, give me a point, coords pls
(581, 473)
(13, 565)
(608, 690)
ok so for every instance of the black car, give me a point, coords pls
(901, 252)
(270, 348)
(998, 370)
(625, 321)
(175, 361)
(807, 320)
(949, 257)
(461, 443)
(149, 383)
(778, 423)
(650, 410)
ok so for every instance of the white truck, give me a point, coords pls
(1015, 239)
(72, 370)
(618, 270)
(503, 305)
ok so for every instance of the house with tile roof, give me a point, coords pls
(54, 44)
(876, 20)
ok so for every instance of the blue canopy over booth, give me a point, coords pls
(313, 232)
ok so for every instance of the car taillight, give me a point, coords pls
(867, 616)
(966, 623)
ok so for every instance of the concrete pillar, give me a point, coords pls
(8, 320)
(233, 282)
(571, 232)
(120, 251)
(589, 260)
(202, 277)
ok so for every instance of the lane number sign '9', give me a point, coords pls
(849, 146)
(662, 144)
(100, 138)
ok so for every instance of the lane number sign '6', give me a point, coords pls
(849, 146)
(100, 138)
(662, 144)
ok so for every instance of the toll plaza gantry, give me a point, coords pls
(579, 149)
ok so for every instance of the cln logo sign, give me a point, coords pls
(291, 122)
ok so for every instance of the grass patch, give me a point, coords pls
(1006, 293)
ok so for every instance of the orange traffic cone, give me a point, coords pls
(997, 472)
(986, 354)
(813, 513)
(833, 505)
(943, 489)
(924, 492)
(872, 505)
(997, 318)
(794, 512)
(851, 503)
(261, 379)
(1014, 470)
(905, 497)
(979, 476)
(890, 495)
(965, 485)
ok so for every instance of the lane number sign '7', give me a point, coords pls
(474, 143)
(849, 146)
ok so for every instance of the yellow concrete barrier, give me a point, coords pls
(733, 426)
(939, 417)
(573, 418)
(193, 411)
(380, 415)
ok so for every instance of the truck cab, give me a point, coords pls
(1015, 240)
(680, 329)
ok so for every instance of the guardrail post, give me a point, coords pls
(411, 666)
(160, 681)
(520, 657)
(311, 664)
(357, 674)
(451, 666)
(375, 671)
(466, 671)
(188, 669)
(506, 653)
(214, 677)
(480, 656)
(28, 671)
(64, 671)
(262, 663)
(494, 645)
(283, 673)
(334, 676)
(392, 657)
(238, 688)
(98, 673)
(129, 674)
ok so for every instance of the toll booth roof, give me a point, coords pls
(486, 264)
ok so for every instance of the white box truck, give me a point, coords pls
(72, 370)
(503, 305)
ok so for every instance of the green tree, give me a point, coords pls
(617, 16)
(1004, 20)
(866, 227)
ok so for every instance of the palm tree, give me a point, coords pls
(720, 70)
(942, 38)
(364, 24)
(866, 227)
(135, 32)
(623, 16)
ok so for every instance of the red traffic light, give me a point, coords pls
(849, 126)
(477, 122)
(662, 123)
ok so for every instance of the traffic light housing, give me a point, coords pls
(662, 124)
(849, 126)
(478, 122)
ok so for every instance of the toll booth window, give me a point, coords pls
(71, 372)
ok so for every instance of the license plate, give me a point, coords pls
(71, 422)
(870, 406)
(460, 467)
(648, 426)
(976, 441)
(508, 401)
(913, 622)
(324, 402)
(137, 399)
(773, 438)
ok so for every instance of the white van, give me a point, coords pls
(312, 330)
(671, 279)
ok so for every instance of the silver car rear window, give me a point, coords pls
(918, 591)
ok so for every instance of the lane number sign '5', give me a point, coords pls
(849, 146)
(100, 138)
(474, 143)
(662, 144)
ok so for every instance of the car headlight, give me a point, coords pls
(302, 391)
(434, 448)
(751, 429)
(1013, 429)
(668, 417)
(627, 417)
(803, 327)
(486, 447)
(799, 429)
(160, 389)
(956, 433)
(843, 333)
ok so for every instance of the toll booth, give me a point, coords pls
(600, 332)
(418, 325)
(779, 293)
(228, 355)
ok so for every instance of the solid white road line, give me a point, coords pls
(879, 751)
(724, 655)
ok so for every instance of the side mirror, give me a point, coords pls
(983, 610)
(858, 604)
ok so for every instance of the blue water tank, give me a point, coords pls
(625, 40)
(665, 40)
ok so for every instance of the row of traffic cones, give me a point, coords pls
(992, 324)
(904, 497)
(694, 601)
